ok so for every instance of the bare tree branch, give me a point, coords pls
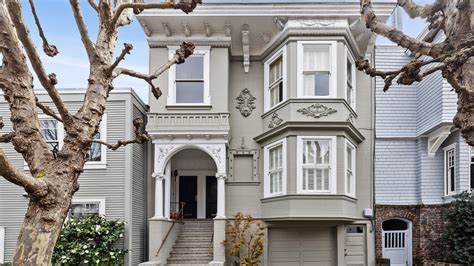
(94, 5)
(47, 81)
(7, 137)
(422, 11)
(82, 27)
(1, 123)
(36, 186)
(186, 6)
(140, 138)
(48, 49)
(396, 36)
(184, 51)
(48, 111)
(127, 47)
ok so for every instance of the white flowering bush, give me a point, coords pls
(90, 240)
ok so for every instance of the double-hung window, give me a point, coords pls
(189, 81)
(316, 67)
(53, 133)
(350, 170)
(449, 160)
(275, 79)
(350, 80)
(275, 169)
(316, 164)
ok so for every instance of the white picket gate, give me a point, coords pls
(396, 247)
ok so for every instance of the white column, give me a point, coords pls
(221, 195)
(158, 195)
(167, 190)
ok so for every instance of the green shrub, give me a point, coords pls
(459, 233)
(90, 240)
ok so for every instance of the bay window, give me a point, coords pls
(275, 169)
(189, 81)
(350, 178)
(316, 67)
(316, 164)
(449, 172)
(275, 79)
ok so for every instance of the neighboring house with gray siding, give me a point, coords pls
(268, 117)
(421, 162)
(112, 184)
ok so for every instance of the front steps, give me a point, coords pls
(194, 244)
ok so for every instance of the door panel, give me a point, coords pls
(302, 247)
(188, 195)
(211, 196)
(355, 245)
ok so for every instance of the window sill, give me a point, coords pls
(189, 107)
(275, 195)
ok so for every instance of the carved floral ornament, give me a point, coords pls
(276, 121)
(317, 110)
(245, 102)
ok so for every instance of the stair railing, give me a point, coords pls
(211, 246)
(179, 218)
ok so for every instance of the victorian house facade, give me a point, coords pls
(268, 117)
(421, 163)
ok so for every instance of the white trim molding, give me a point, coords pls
(352, 191)
(447, 181)
(266, 168)
(283, 53)
(333, 68)
(205, 51)
(2, 244)
(332, 164)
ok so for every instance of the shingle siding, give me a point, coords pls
(429, 103)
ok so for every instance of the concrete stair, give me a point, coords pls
(194, 244)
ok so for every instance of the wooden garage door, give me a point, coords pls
(302, 247)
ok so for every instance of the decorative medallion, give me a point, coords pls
(317, 110)
(216, 152)
(245, 102)
(276, 121)
(243, 145)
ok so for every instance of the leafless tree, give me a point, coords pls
(54, 178)
(453, 56)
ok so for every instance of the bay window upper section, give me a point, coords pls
(317, 73)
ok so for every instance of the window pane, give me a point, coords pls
(326, 179)
(82, 209)
(192, 68)
(311, 179)
(316, 58)
(319, 179)
(322, 151)
(316, 84)
(348, 182)
(189, 92)
(49, 129)
(95, 154)
(349, 158)
(349, 71)
(276, 70)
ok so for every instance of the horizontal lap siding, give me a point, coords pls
(430, 102)
(431, 174)
(138, 199)
(396, 113)
(449, 102)
(396, 164)
(108, 183)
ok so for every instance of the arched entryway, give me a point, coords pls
(397, 241)
(193, 184)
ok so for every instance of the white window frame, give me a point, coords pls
(2, 244)
(283, 53)
(351, 193)
(333, 67)
(447, 182)
(85, 200)
(266, 168)
(332, 163)
(102, 164)
(349, 57)
(199, 50)
(471, 155)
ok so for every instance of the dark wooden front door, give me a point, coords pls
(211, 196)
(188, 195)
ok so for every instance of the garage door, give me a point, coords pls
(302, 247)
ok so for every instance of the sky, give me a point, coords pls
(71, 64)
